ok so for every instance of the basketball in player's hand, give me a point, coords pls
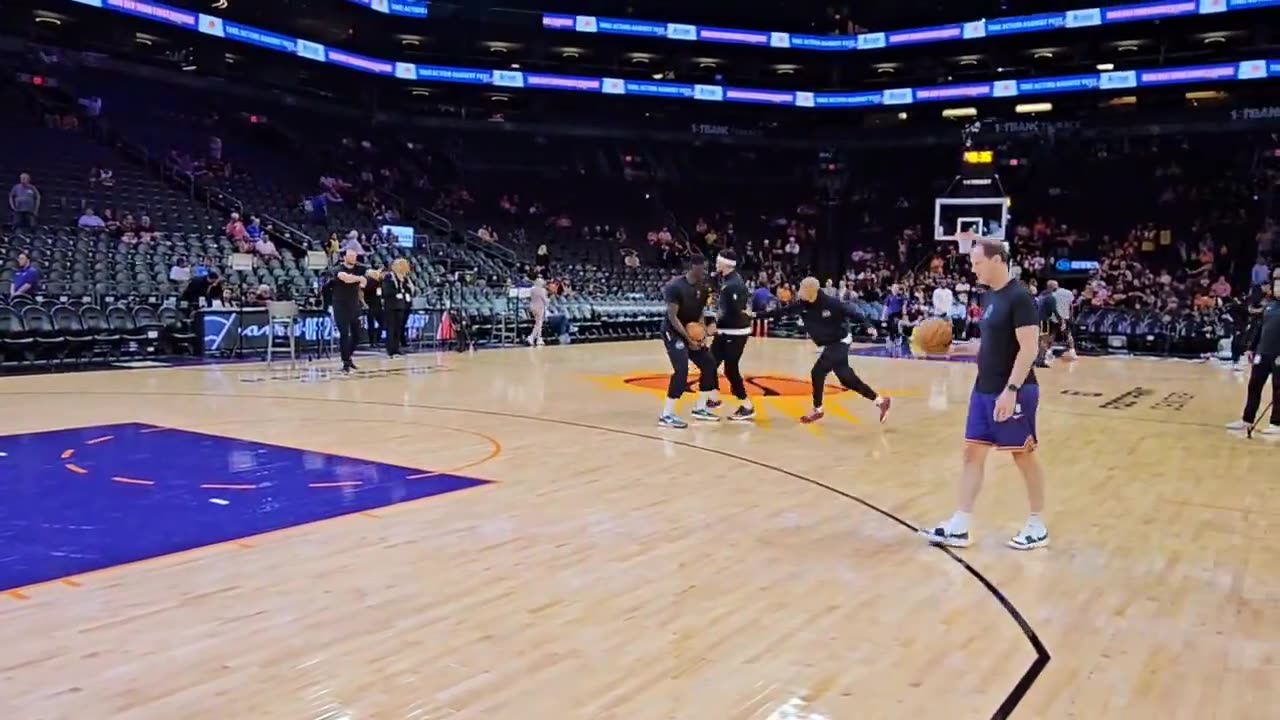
(697, 333)
(934, 336)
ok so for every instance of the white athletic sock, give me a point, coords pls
(670, 408)
(715, 395)
(878, 401)
(818, 409)
(959, 523)
(1035, 522)
(701, 402)
(747, 404)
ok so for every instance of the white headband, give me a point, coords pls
(722, 260)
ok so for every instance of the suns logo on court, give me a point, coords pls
(757, 385)
(776, 397)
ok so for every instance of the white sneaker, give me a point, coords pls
(1272, 430)
(1069, 355)
(1237, 425)
(1030, 538)
(941, 534)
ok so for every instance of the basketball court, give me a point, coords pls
(509, 535)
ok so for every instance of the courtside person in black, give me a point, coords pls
(1263, 356)
(826, 320)
(349, 284)
(686, 298)
(731, 329)
(1002, 407)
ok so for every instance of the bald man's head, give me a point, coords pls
(809, 289)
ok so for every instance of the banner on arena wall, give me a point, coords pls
(219, 329)
(1031, 127)
(1269, 112)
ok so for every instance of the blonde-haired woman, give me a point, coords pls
(395, 303)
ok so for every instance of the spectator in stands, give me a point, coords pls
(24, 201)
(145, 229)
(542, 259)
(89, 220)
(352, 243)
(254, 229)
(1260, 274)
(260, 297)
(237, 234)
(265, 247)
(1220, 288)
(180, 272)
(26, 281)
(332, 246)
(630, 258)
(202, 268)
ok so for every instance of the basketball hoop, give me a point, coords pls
(966, 240)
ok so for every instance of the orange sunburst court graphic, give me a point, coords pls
(774, 395)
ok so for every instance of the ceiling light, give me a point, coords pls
(639, 60)
(1043, 55)
(968, 61)
(143, 41)
(1127, 48)
(960, 112)
(658, 76)
(570, 55)
(515, 66)
(1106, 67)
(1040, 107)
(420, 92)
(902, 116)
(188, 68)
(497, 49)
(785, 69)
(1123, 100)
(410, 42)
(1205, 95)
(1215, 40)
(885, 69)
(48, 20)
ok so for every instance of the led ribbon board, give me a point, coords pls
(972, 30)
(516, 80)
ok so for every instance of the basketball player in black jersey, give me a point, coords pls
(731, 328)
(686, 298)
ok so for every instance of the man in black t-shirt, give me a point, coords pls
(731, 328)
(1002, 408)
(686, 298)
(349, 283)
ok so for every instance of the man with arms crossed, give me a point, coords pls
(1002, 407)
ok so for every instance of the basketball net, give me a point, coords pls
(966, 240)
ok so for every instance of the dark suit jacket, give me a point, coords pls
(395, 294)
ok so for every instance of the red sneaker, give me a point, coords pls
(884, 408)
(813, 417)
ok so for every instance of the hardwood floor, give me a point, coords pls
(277, 543)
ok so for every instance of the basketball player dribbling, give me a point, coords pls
(1002, 407)
(686, 297)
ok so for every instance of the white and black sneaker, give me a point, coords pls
(1030, 538)
(704, 415)
(1237, 425)
(942, 535)
(673, 422)
(743, 414)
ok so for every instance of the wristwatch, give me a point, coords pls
(1011, 387)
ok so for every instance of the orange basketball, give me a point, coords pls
(935, 336)
(697, 331)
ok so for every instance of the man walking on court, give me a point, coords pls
(825, 319)
(350, 282)
(1002, 406)
(686, 298)
(732, 328)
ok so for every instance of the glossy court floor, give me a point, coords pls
(508, 535)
